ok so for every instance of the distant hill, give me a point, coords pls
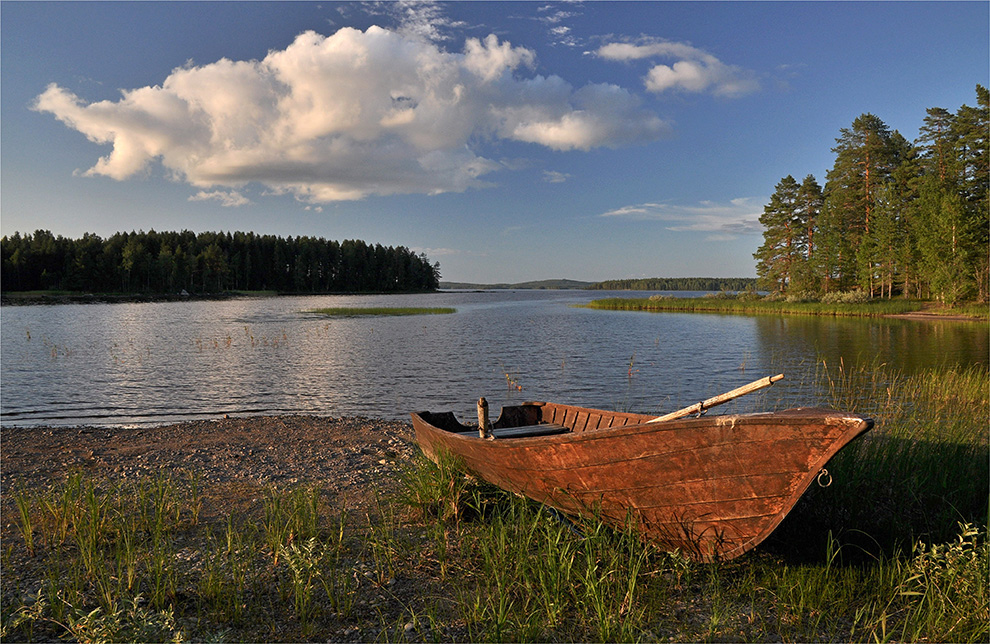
(538, 284)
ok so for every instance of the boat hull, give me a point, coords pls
(714, 487)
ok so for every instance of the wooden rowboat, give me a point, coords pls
(714, 486)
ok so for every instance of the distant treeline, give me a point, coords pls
(551, 285)
(678, 284)
(210, 262)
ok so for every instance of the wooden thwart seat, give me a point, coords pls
(543, 429)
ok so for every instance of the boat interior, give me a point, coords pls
(515, 421)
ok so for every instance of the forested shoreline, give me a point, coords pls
(677, 284)
(210, 262)
(893, 218)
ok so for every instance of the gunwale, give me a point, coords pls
(714, 486)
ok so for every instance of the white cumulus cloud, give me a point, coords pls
(694, 70)
(345, 116)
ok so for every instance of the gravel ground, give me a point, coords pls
(349, 457)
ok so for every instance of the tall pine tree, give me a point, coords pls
(936, 145)
(972, 126)
(809, 210)
(866, 156)
(882, 249)
(783, 238)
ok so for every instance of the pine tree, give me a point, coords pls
(972, 127)
(882, 250)
(939, 230)
(935, 141)
(783, 238)
(809, 209)
(866, 156)
(833, 260)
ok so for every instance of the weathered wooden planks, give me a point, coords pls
(713, 486)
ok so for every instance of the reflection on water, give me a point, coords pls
(133, 364)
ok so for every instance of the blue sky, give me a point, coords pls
(508, 141)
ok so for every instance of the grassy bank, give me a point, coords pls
(751, 304)
(381, 310)
(895, 549)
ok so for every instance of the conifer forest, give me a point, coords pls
(893, 218)
(211, 262)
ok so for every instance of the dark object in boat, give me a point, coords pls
(714, 487)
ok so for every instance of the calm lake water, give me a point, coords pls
(140, 364)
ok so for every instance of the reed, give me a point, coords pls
(337, 579)
(381, 310)
(23, 501)
(435, 489)
(289, 516)
(755, 305)
(383, 541)
(923, 468)
(304, 561)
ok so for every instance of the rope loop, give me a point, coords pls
(824, 478)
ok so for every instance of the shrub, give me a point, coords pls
(721, 295)
(848, 297)
(800, 296)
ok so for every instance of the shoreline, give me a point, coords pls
(39, 298)
(925, 316)
(918, 311)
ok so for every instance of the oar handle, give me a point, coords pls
(697, 408)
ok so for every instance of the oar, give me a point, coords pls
(697, 408)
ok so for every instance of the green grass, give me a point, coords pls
(894, 550)
(756, 305)
(30, 295)
(381, 310)
(975, 309)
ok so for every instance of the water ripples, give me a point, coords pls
(139, 364)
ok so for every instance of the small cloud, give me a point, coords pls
(437, 252)
(419, 18)
(694, 70)
(517, 163)
(639, 211)
(792, 69)
(552, 176)
(231, 199)
(722, 221)
(554, 17)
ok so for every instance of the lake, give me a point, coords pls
(155, 363)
